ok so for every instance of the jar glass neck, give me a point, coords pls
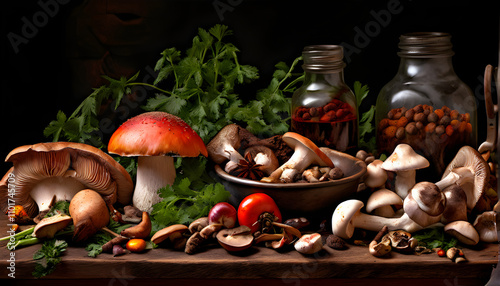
(426, 67)
(332, 78)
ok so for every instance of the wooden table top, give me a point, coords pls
(216, 264)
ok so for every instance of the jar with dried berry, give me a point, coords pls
(324, 107)
(426, 105)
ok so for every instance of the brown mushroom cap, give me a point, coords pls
(71, 166)
(463, 231)
(167, 232)
(155, 134)
(424, 203)
(48, 227)
(485, 224)
(456, 204)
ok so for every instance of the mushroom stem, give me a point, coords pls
(461, 176)
(153, 173)
(404, 181)
(374, 223)
(63, 188)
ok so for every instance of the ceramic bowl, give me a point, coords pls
(301, 198)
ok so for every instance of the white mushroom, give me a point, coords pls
(348, 216)
(404, 161)
(463, 231)
(264, 157)
(305, 154)
(224, 147)
(425, 203)
(382, 203)
(376, 176)
(470, 171)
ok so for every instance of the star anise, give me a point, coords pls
(248, 169)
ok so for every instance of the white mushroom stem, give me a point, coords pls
(233, 156)
(347, 217)
(62, 188)
(153, 173)
(404, 181)
(463, 177)
(299, 161)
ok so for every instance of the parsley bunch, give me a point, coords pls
(191, 196)
(48, 257)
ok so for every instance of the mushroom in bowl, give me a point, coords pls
(301, 197)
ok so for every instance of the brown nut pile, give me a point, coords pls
(424, 127)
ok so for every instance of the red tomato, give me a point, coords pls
(253, 206)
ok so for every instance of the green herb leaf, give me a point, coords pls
(48, 257)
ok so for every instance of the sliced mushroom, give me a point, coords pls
(198, 224)
(404, 161)
(61, 169)
(49, 226)
(380, 245)
(306, 153)
(309, 243)
(470, 171)
(174, 233)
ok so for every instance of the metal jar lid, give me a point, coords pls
(323, 58)
(425, 45)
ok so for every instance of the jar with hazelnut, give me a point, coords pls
(324, 107)
(426, 105)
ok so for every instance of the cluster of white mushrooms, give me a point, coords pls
(413, 206)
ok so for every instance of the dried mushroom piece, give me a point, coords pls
(62, 169)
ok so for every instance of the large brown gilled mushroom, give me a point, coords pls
(61, 169)
(155, 138)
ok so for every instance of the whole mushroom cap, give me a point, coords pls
(156, 134)
(68, 167)
(342, 225)
(424, 203)
(293, 140)
(463, 231)
(404, 158)
(383, 198)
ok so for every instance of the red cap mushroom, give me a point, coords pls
(155, 137)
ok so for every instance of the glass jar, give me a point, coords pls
(426, 105)
(324, 107)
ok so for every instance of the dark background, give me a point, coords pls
(72, 44)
